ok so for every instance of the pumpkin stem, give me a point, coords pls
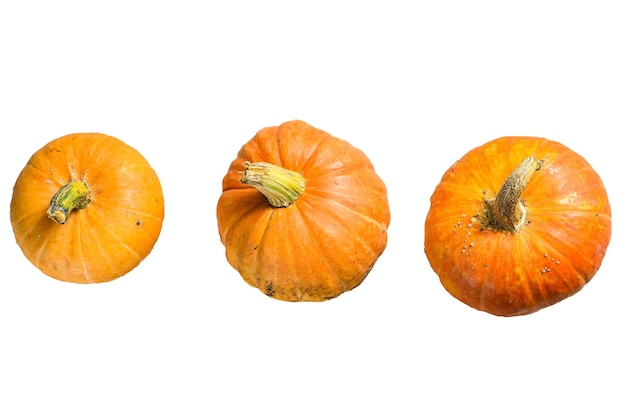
(507, 211)
(280, 186)
(73, 195)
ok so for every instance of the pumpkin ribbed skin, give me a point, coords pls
(558, 248)
(323, 244)
(114, 232)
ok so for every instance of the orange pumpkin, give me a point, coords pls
(87, 208)
(517, 225)
(303, 215)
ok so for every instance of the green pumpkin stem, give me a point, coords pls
(507, 211)
(280, 186)
(73, 195)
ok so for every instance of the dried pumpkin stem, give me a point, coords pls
(73, 195)
(507, 211)
(280, 186)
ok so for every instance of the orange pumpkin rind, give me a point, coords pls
(86, 208)
(517, 225)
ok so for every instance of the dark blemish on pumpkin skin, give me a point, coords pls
(138, 223)
(269, 290)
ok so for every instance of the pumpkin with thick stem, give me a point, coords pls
(303, 215)
(517, 225)
(87, 208)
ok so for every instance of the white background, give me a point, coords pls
(413, 84)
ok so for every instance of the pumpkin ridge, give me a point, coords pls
(483, 288)
(523, 287)
(536, 286)
(282, 150)
(368, 219)
(94, 149)
(17, 224)
(549, 249)
(245, 214)
(45, 173)
(42, 250)
(96, 217)
(322, 255)
(452, 189)
(279, 149)
(310, 160)
(255, 267)
(542, 285)
(18, 221)
(451, 220)
(536, 291)
(81, 253)
(577, 212)
(71, 144)
(348, 227)
(148, 215)
(121, 242)
(104, 255)
(344, 170)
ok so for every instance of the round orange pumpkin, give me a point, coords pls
(87, 208)
(303, 215)
(517, 225)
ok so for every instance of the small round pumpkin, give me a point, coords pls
(87, 208)
(303, 215)
(517, 225)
